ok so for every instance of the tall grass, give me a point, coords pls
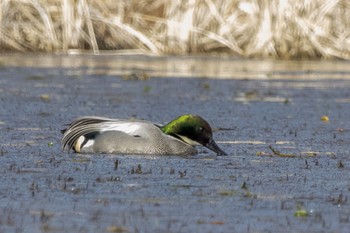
(251, 28)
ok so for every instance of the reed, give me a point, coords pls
(285, 29)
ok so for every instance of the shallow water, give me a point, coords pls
(251, 104)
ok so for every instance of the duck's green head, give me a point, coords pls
(194, 130)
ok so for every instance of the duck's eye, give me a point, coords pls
(200, 129)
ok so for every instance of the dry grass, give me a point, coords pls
(251, 28)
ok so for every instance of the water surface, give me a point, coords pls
(251, 104)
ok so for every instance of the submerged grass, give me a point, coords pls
(251, 28)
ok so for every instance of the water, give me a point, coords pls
(251, 104)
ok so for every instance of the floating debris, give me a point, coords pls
(340, 164)
(244, 186)
(301, 212)
(116, 164)
(217, 222)
(325, 118)
(115, 229)
(227, 192)
(182, 174)
(138, 170)
(45, 97)
(36, 78)
(147, 89)
(136, 76)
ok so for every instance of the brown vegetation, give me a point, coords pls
(250, 28)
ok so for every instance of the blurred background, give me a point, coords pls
(250, 28)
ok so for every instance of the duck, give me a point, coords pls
(101, 135)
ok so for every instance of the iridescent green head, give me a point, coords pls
(193, 130)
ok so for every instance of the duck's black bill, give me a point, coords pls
(214, 147)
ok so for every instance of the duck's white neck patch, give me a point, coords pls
(188, 140)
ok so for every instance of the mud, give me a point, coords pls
(287, 169)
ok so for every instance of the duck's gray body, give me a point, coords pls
(114, 136)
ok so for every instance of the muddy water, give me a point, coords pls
(287, 170)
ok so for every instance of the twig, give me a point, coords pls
(278, 153)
